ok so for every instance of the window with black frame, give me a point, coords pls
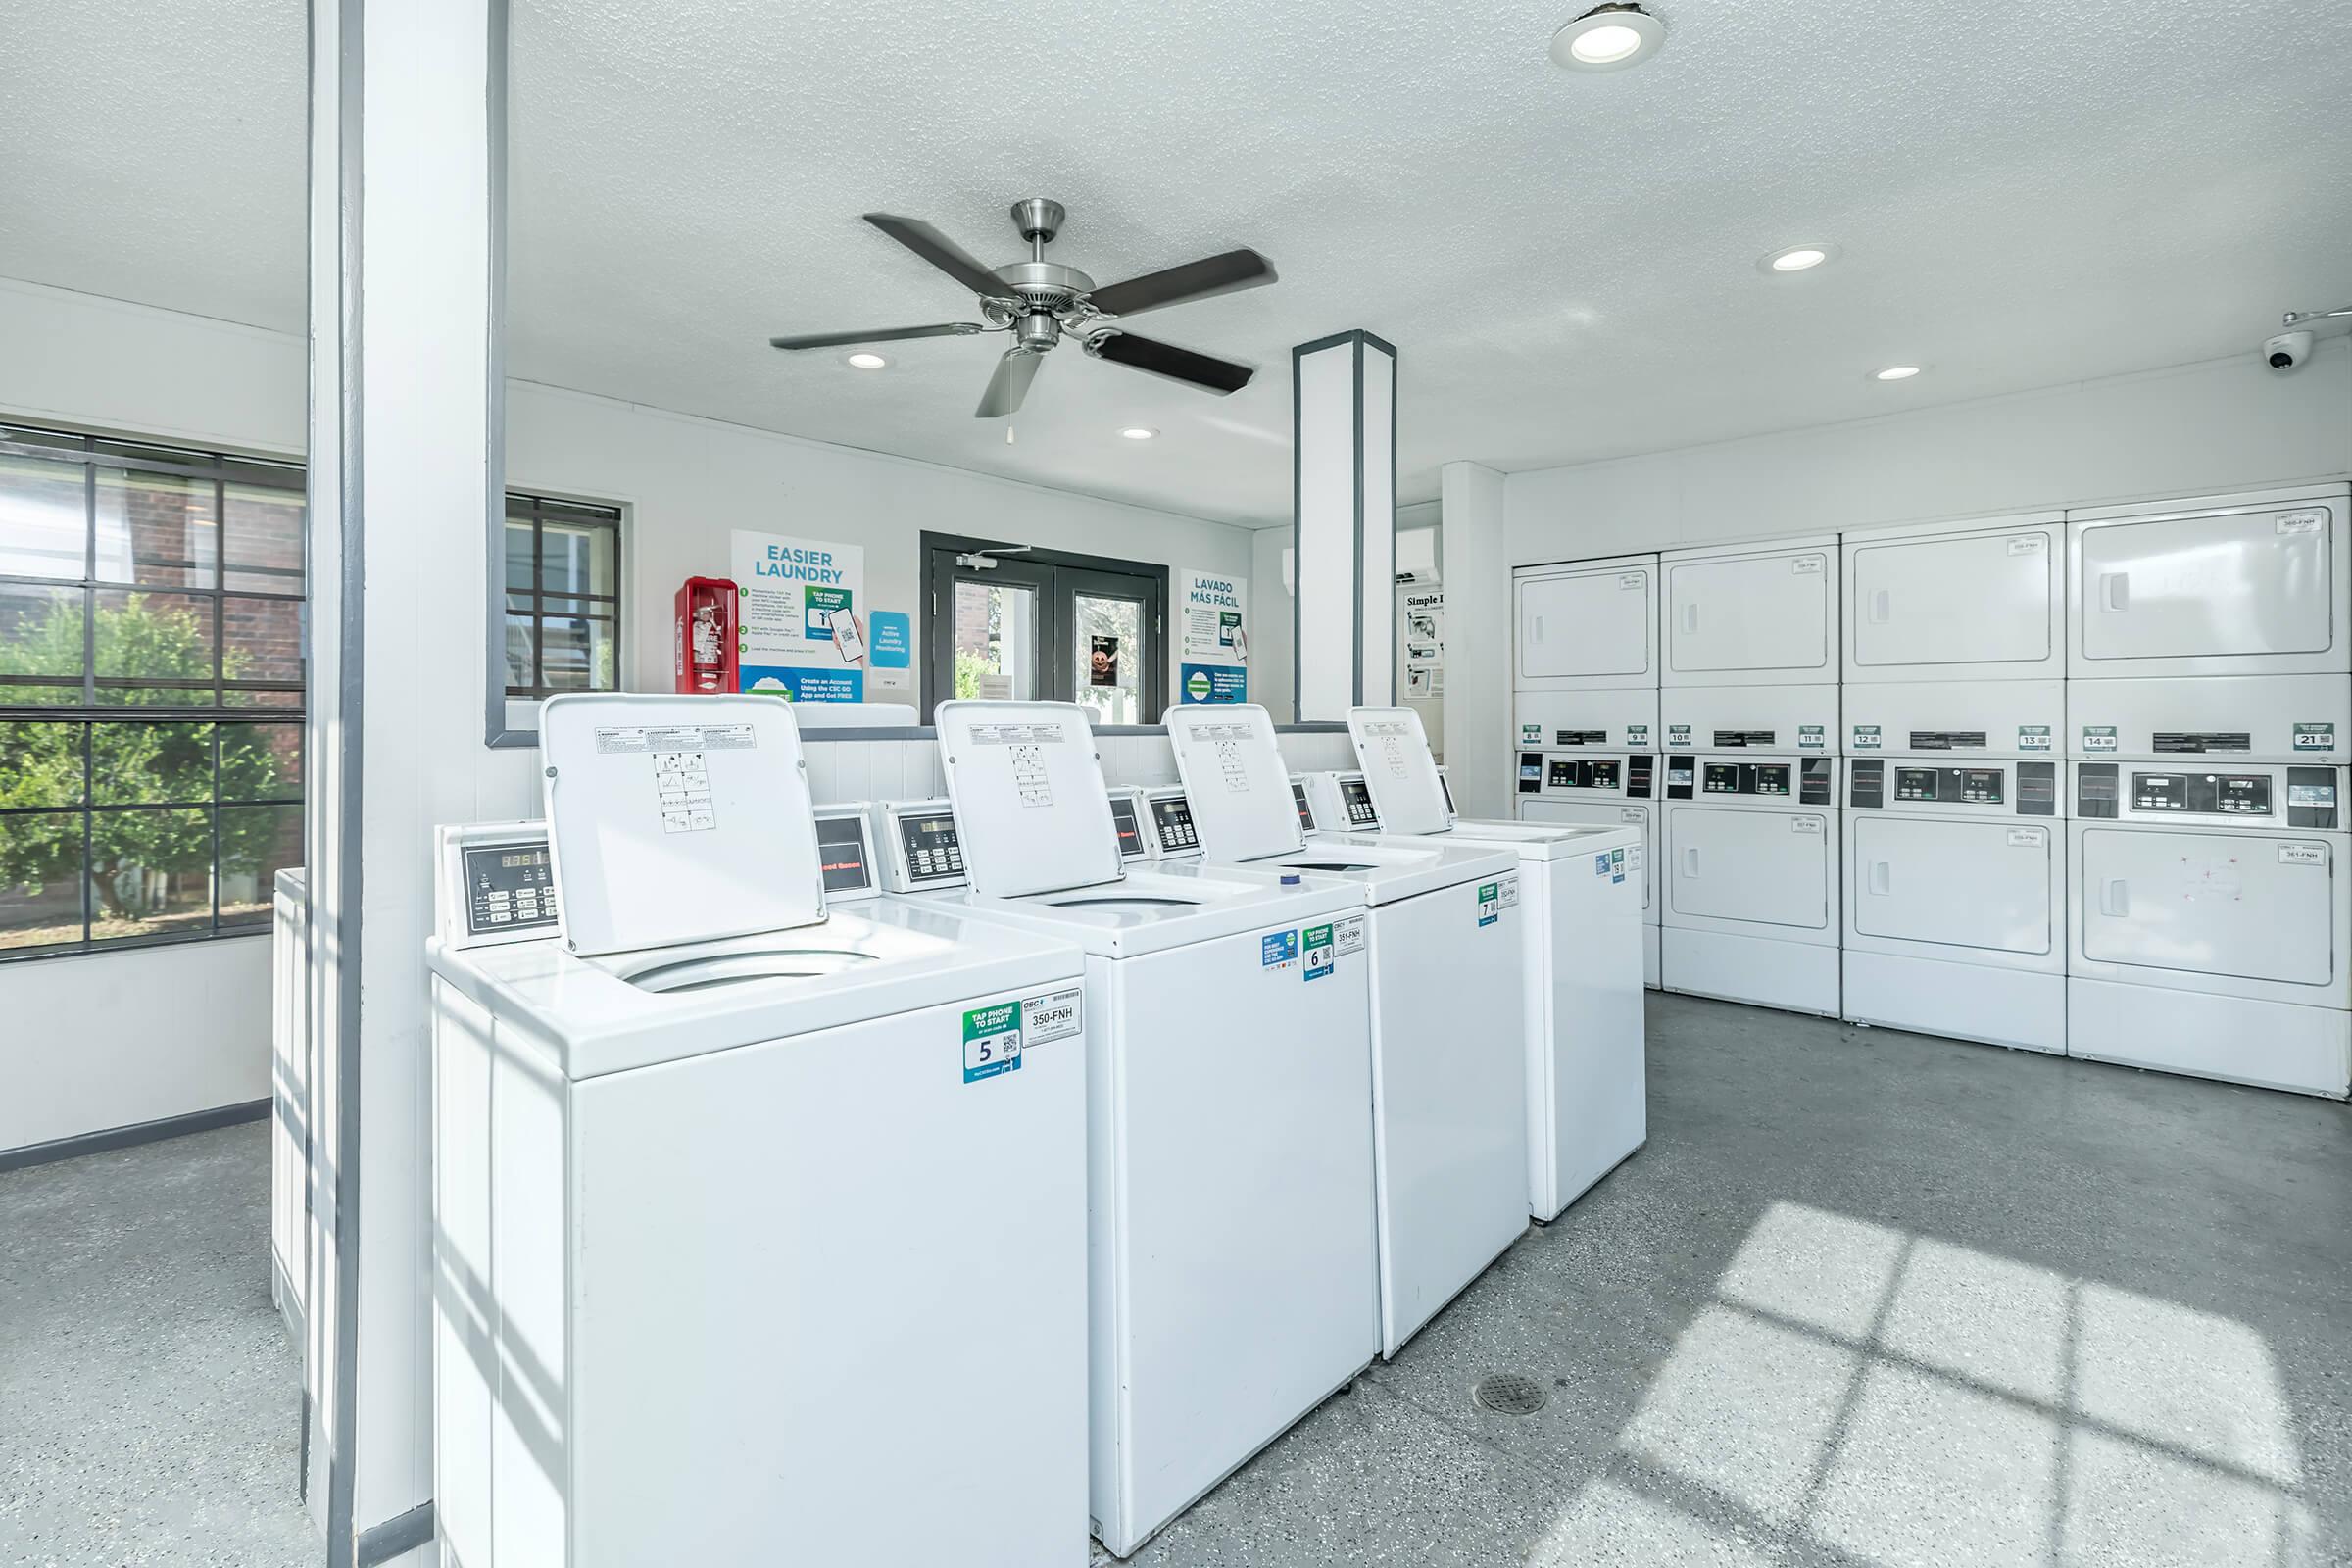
(151, 691)
(563, 632)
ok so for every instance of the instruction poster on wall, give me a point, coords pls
(1214, 641)
(802, 628)
(1424, 643)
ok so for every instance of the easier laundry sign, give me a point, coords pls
(802, 612)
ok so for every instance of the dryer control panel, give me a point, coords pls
(1632, 777)
(1801, 780)
(2019, 789)
(1169, 820)
(919, 848)
(2256, 796)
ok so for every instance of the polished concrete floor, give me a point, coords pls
(1865, 1298)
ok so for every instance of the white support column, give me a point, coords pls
(1478, 640)
(1344, 527)
(407, 127)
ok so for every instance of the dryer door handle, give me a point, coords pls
(1690, 860)
(2115, 898)
(1691, 616)
(1539, 632)
(1881, 606)
(1881, 877)
(2115, 590)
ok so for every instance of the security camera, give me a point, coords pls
(2286, 351)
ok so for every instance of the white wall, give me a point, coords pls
(1272, 632)
(186, 1029)
(689, 482)
(2194, 428)
(1478, 641)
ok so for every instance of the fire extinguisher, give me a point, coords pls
(706, 654)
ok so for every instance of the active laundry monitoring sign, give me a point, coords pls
(1213, 638)
(803, 634)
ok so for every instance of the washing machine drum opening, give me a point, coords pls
(715, 970)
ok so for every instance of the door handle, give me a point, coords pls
(1881, 876)
(1881, 608)
(2115, 898)
(1691, 617)
(1539, 636)
(2115, 590)
(1690, 860)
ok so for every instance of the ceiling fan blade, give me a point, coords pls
(1193, 280)
(887, 334)
(941, 252)
(1204, 370)
(1005, 390)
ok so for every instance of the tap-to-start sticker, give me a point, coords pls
(992, 1041)
(1321, 953)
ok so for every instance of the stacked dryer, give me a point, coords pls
(1955, 639)
(2210, 704)
(1748, 823)
(1586, 700)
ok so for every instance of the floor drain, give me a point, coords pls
(1508, 1394)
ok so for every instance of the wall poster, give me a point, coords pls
(1212, 637)
(801, 632)
(1424, 643)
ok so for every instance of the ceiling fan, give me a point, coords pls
(1039, 301)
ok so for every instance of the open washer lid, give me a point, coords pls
(1393, 749)
(681, 818)
(1032, 811)
(1235, 779)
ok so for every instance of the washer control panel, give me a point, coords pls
(1356, 797)
(1171, 821)
(509, 887)
(919, 846)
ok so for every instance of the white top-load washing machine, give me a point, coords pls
(682, 1112)
(2218, 627)
(1955, 898)
(2210, 920)
(1580, 902)
(1449, 1067)
(1749, 656)
(1586, 657)
(1956, 638)
(1751, 883)
(1601, 791)
(1232, 1281)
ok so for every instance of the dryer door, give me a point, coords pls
(1760, 867)
(2243, 905)
(1961, 884)
(1988, 600)
(2251, 590)
(1582, 625)
(1747, 616)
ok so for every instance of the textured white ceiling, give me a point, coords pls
(2024, 194)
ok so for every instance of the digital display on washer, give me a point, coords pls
(933, 851)
(1172, 820)
(1723, 778)
(509, 887)
(1604, 778)
(1356, 797)
(1772, 778)
(2241, 795)
(841, 852)
(1129, 831)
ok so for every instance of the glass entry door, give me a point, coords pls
(1048, 625)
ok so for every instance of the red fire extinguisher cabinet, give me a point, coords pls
(704, 641)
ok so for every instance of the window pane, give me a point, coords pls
(44, 519)
(151, 765)
(40, 635)
(155, 648)
(40, 879)
(260, 639)
(17, 435)
(1110, 657)
(577, 559)
(235, 697)
(518, 653)
(996, 641)
(255, 843)
(263, 538)
(261, 762)
(576, 654)
(157, 529)
(44, 765)
(518, 554)
(151, 873)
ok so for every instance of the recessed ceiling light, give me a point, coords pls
(1897, 372)
(1608, 37)
(1798, 258)
(1137, 432)
(866, 360)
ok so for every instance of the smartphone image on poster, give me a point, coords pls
(847, 635)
